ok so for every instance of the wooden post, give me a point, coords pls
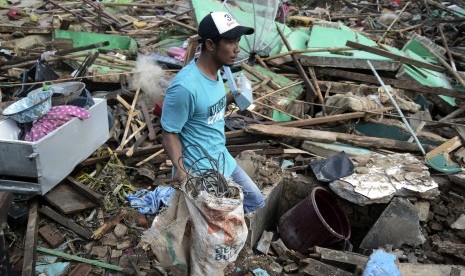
(29, 259)
(301, 70)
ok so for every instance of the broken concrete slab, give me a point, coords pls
(407, 269)
(261, 169)
(264, 243)
(459, 223)
(99, 251)
(397, 225)
(269, 175)
(386, 176)
(316, 268)
(341, 257)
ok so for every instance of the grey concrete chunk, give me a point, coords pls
(120, 230)
(264, 243)
(459, 223)
(397, 225)
(423, 210)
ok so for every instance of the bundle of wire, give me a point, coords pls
(209, 180)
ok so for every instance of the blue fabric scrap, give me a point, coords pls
(381, 264)
(148, 202)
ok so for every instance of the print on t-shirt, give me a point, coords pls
(216, 111)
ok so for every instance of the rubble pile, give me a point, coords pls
(354, 136)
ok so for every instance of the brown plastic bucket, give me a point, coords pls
(315, 221)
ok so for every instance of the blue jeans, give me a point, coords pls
(253, 198)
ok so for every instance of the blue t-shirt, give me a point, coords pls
(194, 108)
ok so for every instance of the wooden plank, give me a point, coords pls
(453, 114)
(131, 115)
(315, 121)
(68, 200)
(445, 147)
(81, 270)
(120, 154)
(7, 28)
(5, 200)
(393, 56)
(301, 70)
(68, 223)
(317, 268)
(83, 189)
(4, 256)
(331, 137)
(51, 235)
(347, 63)
(29, 259)
(402, 84)
(148, 121)
(109, 224)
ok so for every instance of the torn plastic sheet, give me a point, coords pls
(332, 168)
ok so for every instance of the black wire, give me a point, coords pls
(210, 180)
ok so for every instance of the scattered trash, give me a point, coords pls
(332, 168)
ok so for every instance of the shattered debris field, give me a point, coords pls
(348, 116)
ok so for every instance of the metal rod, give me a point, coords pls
(79, 259)
(393, 101)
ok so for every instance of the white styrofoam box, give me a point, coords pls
(37, 167)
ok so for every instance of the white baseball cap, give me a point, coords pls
(222, 24)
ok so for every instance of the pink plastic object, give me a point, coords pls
(177, 53)
(13, 14)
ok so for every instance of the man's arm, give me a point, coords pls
(173, 148)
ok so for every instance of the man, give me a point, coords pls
(194, 107)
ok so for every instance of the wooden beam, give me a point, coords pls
(402, 84)
(446, 147)
(315, 121)
(331, 137)
(120, 154)
(301, 69)
(66, 222)
(445, 64)
(189, 27)
(29, 259)
(453, 114)
(145, 112)
(83, 189)
(259, 75)
(5, 200)
(393, 56)
(110, 224)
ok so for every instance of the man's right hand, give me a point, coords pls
(179, 177)
(172, 147)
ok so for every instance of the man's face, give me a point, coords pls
(226, 51)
